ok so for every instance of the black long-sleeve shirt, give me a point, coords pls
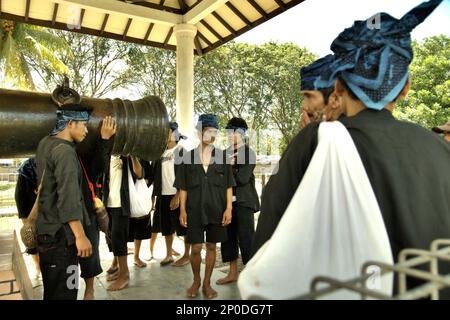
(95, 167)
(61, 199)
(206, 191)
(245, 191)
(408, 168)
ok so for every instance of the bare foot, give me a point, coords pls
(139, 263)
(181, 262)
(166, 261)
(119, 284)
(192, 292)
(112, 270)
(228, 279)
(209, 292)
(113, 276)
(89, 295)
(150, 259)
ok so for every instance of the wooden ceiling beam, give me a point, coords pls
(166, 41)
(280, 3)
(258, 8)
(27, 10)
(55, 12)
(224, 23)
(149, 30)
(127, 28)
(128, 10)
(198, 46)
(105, 21)
(205, 39)
(203, 9)
(259, 21)
(212, 30)
(84, 30)
(83, 11)
(238, 13)
(183, 6)
(157, 6)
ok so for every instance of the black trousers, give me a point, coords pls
(120, 225)
(165, 220)
(240, 235)
(59, 267)
(90, 266)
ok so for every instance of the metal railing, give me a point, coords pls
(409, 260)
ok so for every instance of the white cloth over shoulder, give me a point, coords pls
(140, 197)
(331, 227)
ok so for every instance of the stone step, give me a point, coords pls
(6, 249)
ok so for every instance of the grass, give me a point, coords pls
(6, 186)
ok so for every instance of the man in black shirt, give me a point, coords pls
(206, 182)
(245, 199)
(93, 167)
(61, 237)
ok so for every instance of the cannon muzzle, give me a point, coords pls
(27, 117)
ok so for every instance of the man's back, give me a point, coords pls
(409, 170)
(408, 167)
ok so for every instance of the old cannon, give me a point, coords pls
(26, 117)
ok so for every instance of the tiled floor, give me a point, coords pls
(152, 282)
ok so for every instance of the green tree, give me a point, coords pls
(21, 45)
(228, 83)
(96, 66)
(258, 83)
(154, 73)
(282, 75)
(428, 101)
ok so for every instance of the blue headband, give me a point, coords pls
(207, 120)
(374, 60)
(309, 74)
(173, 126)
(64, 116)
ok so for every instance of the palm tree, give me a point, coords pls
(22, 44)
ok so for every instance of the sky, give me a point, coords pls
(314, 24)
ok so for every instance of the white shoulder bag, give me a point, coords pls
(331, 227)
(140, 197)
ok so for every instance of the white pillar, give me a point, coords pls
(185, 34)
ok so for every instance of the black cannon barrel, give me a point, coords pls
(26, 117)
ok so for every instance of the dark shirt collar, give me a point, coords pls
(369, 113)
(70, 143)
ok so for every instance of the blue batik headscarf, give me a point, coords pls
(174, 127)
(310, 73)
(75, 112)
(207, 120)
(374, 59)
